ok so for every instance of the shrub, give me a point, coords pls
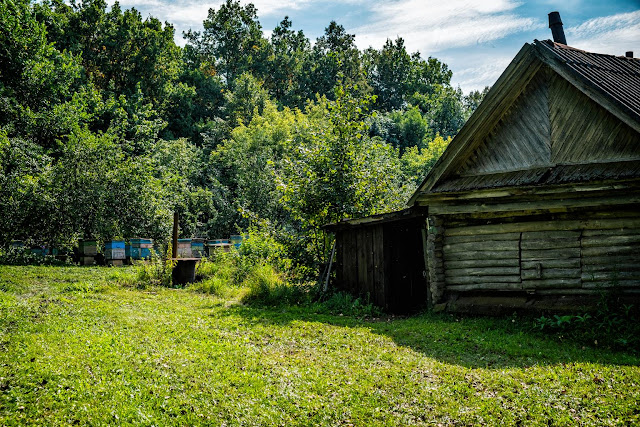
(611, 324)
(268, 287)
(347, 304)
(24, 256)
(155, 272)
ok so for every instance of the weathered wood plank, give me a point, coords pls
(551, 283)
(610, 260)
(551, 235)
(552, 263)
(488, 286)
(482, 271)
(501, 245)
(603, 241)
(481, 238)
(610, 250)
(611, 268)
(551, 273)
(461, 256)
(594, 276)
(482, 279)
(478, 263)
(575, 225)
(530, 255)
(549, 244)
(607, 284)
(612, 232)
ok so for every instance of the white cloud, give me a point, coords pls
(188, 14)
(613, 34)
(432, 26)
(475, 75)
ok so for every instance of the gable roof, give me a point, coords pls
(613, 82)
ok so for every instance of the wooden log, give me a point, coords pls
(488, 286)
(487, 239)
(612, 276)
(610, 267)
(552, 263)
(481, 271)
(571, 225)
(606, 284)
(549, 244)
(478, 263)
(551, 273)
(604, 241)
(515, 278)
(527, 207)
(551, 283)
(501, 245)
(611, 250)
(554, 234)
(611, 260)
(530, 255)
(478, 255)
(622, 231)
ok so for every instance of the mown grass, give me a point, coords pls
(80, 346)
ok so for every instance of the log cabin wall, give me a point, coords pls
(545, 262)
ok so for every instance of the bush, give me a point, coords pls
(154, 272)
(611, 324)
(268, 287)
(24, 256)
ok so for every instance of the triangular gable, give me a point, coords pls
(520, 140)
(529, 73)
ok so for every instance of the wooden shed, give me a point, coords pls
(381, 259)
(535, 204)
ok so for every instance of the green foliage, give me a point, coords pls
(416, 163)
(156, 271)
(612, 323)
(342, 303)
(107, 127)
(24, 256)
(338, 171)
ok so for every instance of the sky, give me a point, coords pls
(476, 39)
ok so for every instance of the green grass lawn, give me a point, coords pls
(76, 347)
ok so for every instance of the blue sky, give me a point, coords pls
(477, 39)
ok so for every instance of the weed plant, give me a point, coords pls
(612, 323)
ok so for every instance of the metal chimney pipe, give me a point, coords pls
(555, 23)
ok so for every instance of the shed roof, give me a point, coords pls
(611, 81)
(394, 216)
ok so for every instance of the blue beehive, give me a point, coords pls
(115, 249)
(197, 248)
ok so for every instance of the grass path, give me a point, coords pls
(77, 348)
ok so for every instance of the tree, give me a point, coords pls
(337, 171)
(232, 41)
(290, 51)
(334, 58)
(389, 72)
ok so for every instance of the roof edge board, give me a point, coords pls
(493, 107)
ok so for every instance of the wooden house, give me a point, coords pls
(536, 202)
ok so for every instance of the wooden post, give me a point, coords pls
(174, 242)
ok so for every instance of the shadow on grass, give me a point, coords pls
(472, 342)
